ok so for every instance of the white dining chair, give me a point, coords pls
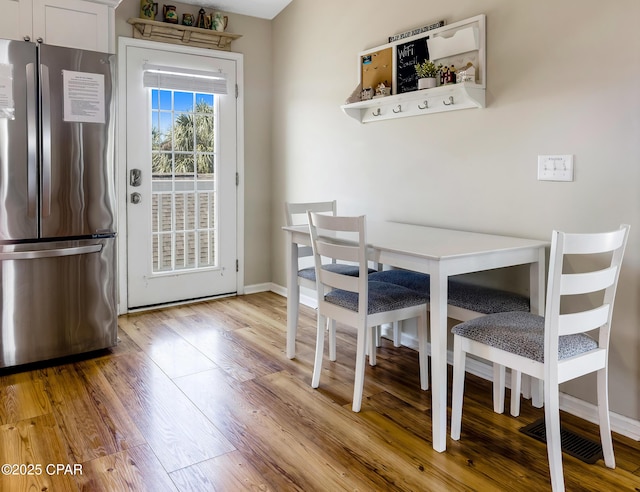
(357, 301)
(296, 214)
(560, 346)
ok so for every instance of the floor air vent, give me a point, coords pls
(572, 444)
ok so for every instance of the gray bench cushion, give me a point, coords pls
(485, 300)
(351, 270)
(477, 298)
(406, 278)
(521, 334)
(382, 297)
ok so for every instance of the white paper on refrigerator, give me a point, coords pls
(83, 97)
(7, 108)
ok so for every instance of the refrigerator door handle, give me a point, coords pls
(50, 253)
(32, 141)
(46, 140)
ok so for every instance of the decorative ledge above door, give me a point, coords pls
(179, 34)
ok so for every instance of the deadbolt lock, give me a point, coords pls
(135, 177)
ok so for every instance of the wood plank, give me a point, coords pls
(36, 442)
(22, 396)
(171, 352)
(273, 348)
(230, 471)
(173, 427)
(125, 344)
(337, 379)
(132, 469)
(280, 455)
(224, 349)
(90, 415)
(393, 455)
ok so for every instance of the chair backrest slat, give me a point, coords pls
(587, 244)
(337, 251)
(296, 213)
(582, 283)
(580, 322)
(336, 223)
(338, 281)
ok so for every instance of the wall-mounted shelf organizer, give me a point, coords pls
(456, 44)
(178, 34)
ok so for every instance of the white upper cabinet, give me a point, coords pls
(15, 21)
(71, 23)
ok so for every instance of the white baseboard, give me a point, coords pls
(266, 287)
(588, 411)
(619, 423)
(307, 297)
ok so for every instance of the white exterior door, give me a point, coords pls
(181, 155)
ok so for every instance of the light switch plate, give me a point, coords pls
(555, 167)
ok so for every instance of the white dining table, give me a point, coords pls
(440, 253)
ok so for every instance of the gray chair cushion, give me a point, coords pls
(382, 297)
(351, 270)
(477, 298)
(521, 334)
(485, 300)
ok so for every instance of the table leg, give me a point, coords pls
(537, 290)
(438, 306)
(537, 283)
(293, 298)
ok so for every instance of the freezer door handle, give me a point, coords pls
(46, 141)
(50, 253)
(32, 141)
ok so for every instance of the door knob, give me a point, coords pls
(136, 198)
(135, 177)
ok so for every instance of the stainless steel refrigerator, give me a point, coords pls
(57, 202)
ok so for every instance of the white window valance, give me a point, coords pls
(183, 79)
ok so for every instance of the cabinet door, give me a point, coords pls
(72, 23)
(15, 21)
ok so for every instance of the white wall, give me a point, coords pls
(562, 78)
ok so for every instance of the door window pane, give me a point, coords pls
(183, 185)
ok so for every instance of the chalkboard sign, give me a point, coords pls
(408, 55)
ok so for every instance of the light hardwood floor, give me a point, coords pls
(202, 398)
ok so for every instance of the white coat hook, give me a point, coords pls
(376, 112)
(397, 109)
(448, 103)
(426, 105)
